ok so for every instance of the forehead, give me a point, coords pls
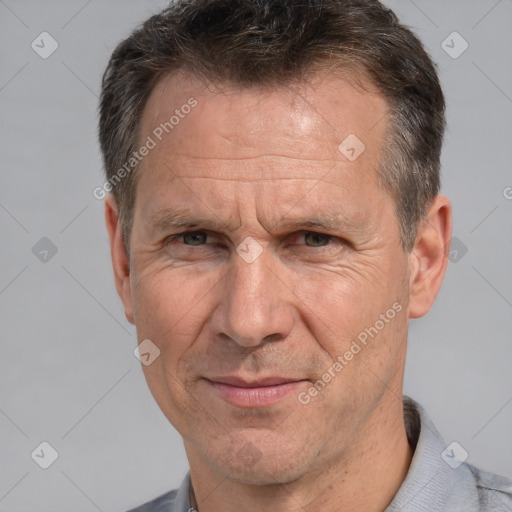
(308, 120)
(235, 136)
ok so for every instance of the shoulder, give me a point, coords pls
(163, 503)
(494, 491)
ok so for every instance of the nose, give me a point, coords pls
(255, 305)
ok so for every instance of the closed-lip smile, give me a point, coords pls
(253, 393)
(242, 383)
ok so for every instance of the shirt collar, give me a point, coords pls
(429, 480)
(182, 500)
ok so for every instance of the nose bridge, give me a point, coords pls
(250, 287)
(253, 306)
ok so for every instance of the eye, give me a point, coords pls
(201, 240)
(193, 238)
(314, 239)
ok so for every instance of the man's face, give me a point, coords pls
(283, 304)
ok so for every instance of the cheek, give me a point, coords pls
(158, 302)
(169, 311)
(340, 306)
(171, 306)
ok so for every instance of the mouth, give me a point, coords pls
(254, 393)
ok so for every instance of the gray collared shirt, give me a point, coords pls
(437, 479)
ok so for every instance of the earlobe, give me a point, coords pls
(428, 259)
(120, 259)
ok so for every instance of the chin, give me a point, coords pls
(254, 463)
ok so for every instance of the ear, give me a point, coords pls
(429, 256)
(120, 259)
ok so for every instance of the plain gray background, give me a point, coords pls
(68, 375)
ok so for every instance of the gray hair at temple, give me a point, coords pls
(266, 43)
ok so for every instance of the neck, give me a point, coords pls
(365, 477)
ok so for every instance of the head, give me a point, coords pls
(278, 214)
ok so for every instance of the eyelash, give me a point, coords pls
(174, 238)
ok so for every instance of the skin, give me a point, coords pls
(246, 159)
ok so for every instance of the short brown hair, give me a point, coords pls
(265, 42)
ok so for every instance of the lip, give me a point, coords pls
(239, 382)
(257, 393)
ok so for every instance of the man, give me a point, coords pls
(275, 221)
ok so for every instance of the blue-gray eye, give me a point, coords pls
(317, 239)
(194, 238)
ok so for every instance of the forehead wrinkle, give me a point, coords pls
(255, 157)
(247, 180)
(185, 218)
(182, 171)
(331, 219)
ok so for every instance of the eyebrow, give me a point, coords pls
(184, 218)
